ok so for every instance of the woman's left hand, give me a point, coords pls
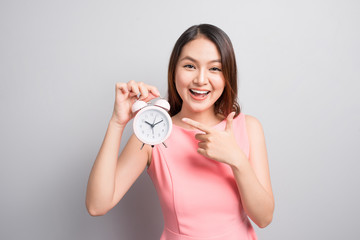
(218, 145)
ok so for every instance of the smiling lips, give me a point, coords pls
(199, 94)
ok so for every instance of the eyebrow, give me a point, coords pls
(192, 59)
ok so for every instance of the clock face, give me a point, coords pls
(152, 125)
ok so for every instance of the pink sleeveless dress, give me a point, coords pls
(199, 196)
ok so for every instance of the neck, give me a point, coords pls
(208, 118)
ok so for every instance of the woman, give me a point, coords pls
(214, 173)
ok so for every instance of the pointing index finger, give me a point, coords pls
(196, 125)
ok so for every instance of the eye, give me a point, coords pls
(216, 69)
(189, 66)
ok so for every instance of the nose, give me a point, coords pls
(201, 77)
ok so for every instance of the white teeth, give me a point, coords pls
(199, 92)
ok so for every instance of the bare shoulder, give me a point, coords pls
(253, 124)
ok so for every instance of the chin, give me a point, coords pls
(199, 108)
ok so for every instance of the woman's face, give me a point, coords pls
(198, 76)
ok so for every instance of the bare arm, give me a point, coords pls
(253, 177)
(112, 176)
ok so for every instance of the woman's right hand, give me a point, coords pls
(125, 96)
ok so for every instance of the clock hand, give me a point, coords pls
(151, 125)
(158, 122)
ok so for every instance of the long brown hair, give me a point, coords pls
(227, 102)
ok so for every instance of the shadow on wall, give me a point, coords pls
(138, 215)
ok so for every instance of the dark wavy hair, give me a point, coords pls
(227, 102)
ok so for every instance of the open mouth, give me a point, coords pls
(199, 93)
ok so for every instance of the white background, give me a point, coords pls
(59, 62)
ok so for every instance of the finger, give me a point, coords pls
(133, 88)
(202, 145)
(196, 125)
(122, 87)
(202, 151)
(200, 137)
(144, 92)
(149, 98)
(152, 93)
(229, 122)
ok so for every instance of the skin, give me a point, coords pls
(112, 176)
(198, 68)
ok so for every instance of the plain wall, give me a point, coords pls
(59, 62)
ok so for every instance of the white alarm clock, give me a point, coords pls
(152, 123)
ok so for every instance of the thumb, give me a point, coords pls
(229, 121)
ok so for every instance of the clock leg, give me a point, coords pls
(164, 144)
(142, 146)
